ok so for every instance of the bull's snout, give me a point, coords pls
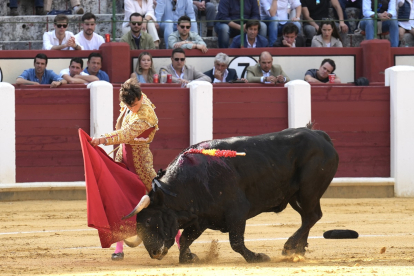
(159, 254)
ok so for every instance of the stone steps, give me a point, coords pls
(26, 7)
(26, 32)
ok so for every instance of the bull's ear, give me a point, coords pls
(157, 197)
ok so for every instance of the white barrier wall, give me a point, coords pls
(299, 103)
(101, 93)
(201, 111)
(8, 133)
(401, 82)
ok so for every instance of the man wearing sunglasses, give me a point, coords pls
(184, 38)
(59, 38)
(182, 73)
(135, 38)
(169, 11)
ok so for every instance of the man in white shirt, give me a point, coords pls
(75, 74)
(87, 38)
(59, 38)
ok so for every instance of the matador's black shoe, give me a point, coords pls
(117, 256)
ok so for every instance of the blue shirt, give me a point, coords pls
(101, 75)
(164, 10)
(140, 78)
(48, 76)
(230, 9)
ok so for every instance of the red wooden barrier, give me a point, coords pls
(358, 121)
(245, 110)
(47, 143)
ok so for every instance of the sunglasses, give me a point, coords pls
(62, 26)
(136, 23)
(174, 3)
(177, 59)
(185, 27)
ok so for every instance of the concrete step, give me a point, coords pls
(26, 7)
(21, 28)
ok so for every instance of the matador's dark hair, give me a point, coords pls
(130, 90)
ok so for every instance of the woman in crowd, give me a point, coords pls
(327, 36)
(144, 71)
(146, 8)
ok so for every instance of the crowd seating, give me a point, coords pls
(25, 32)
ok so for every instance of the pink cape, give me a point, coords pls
(112, 191)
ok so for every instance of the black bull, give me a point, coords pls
(199, 192)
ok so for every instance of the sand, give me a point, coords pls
(52, 238)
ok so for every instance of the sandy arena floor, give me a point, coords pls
(52, 238)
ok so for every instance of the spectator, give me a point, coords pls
(168, 11)
(221, 72)
(386, 13)
(74, 73)
(276, 13)
(76, 6)
(144, 70)
(229, 15)
(362, 81)
(319, 10)
(147, 10)
(322, 75)
(94, 67)
(40, 75)
(405, 12)
(349, 4)
(290, 37)
(135, 38)
(327, 36)
(252, 39)
(38, 4)
(184, 38)
(207, 8)
(87, 38)
(265, 71)
(182, 73)
(59, 38)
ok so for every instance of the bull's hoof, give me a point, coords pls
(259, 258)
(290, 252)
(188, 257)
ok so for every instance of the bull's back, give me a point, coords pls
(278, 164)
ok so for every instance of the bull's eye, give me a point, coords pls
(148, 222)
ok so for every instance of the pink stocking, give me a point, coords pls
(177, 238)
(119, 247)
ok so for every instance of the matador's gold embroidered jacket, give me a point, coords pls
(132, 125)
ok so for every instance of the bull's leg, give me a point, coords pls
(299, 240)
(189, 235)
(236, 236)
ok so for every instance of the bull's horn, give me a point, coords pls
(133, 243)
(143, 203)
